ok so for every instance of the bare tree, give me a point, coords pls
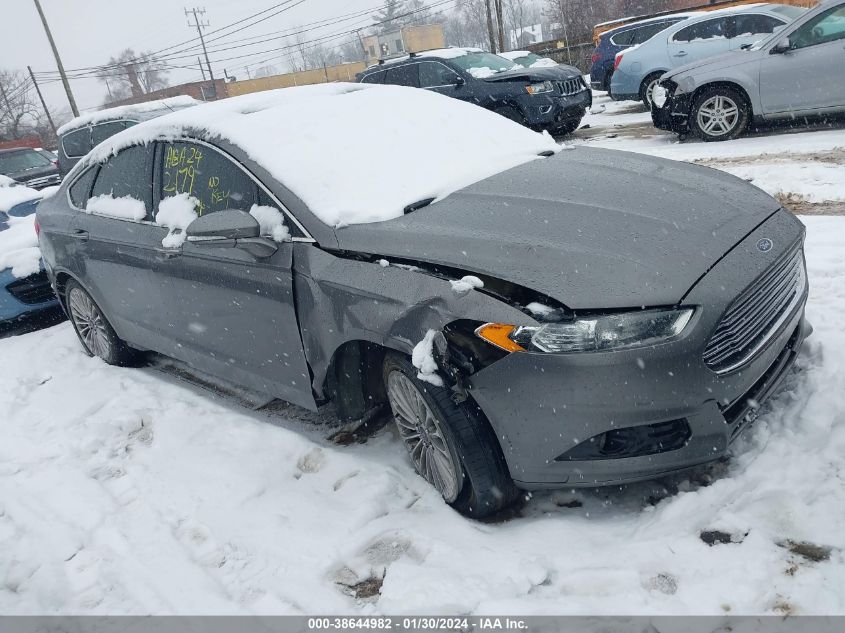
(18, 106)
(132, 74)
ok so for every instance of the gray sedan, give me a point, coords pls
(797, 72)
(524, 330)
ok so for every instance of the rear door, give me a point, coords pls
(118, 254)
(699, 41)
(229, 313)
(807, 79)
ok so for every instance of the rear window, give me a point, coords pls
(625, 38)
(647, 32)
(407, 75)
(23, 160)
(374, 78)
(100, 133)
(77, 143)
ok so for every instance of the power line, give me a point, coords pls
(200, 26)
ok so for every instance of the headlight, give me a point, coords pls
(541, 88)
(659, 96)
(590, 334)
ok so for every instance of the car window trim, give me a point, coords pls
(90, 129)
(187, 139)
(437, 61)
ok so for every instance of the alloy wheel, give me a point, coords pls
(717, 116)
(89, 323)
(649, 92)
(424, 437)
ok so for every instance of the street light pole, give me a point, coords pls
(65, 83)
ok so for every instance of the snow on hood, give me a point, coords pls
(18, 242)
(128, 111)
(354, 153)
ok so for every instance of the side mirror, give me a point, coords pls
(458, 80)
(230, 224)
(783, 46)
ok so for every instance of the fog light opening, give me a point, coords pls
(636, 441)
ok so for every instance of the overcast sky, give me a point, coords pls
(89, 32)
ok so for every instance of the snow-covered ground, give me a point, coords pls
(126, 491)
(804, 167)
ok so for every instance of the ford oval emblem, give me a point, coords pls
(765, 245)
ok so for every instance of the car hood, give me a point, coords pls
(722, 61)
(543, 73)
(643, 237)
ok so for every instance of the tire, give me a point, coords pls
(96, 334)
(719, 113)
(509, 112)
(568, 127)
(456, 434)
(647, 87)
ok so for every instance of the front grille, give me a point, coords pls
(757, 314)
(571, 86)
(31, 290)
(44, 181)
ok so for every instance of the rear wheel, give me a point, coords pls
(608, 77)
(647, 88)
(97, 336)
(450, 445)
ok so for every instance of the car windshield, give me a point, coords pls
(24, 160)
(483, 64)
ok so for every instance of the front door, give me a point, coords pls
(229, 313)
(807, 78)
(438, 77)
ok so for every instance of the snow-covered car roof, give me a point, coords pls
(441, 53)
(139, 111)
(514, 54)
(353, 153)
(624, 22)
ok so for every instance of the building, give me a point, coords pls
(525, 36)
(200, 90)
(408, 39)
(327, 74)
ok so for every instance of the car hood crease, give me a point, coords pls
(643, 238)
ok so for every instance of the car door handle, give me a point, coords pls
(681, 54)
(167, 253)
(80, 235)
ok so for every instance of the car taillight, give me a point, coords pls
(37, 227)
(595, 57)
(617, 61)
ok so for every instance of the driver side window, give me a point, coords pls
(434, 74)
(827, 27)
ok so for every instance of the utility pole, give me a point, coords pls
(199, 25)
(6, 99)
(70, 98)
(43, 105)
(202, 70)
(501, 24)
(490, 32)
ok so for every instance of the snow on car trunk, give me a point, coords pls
(355, 153)
(124, 491)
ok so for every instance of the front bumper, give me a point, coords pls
(554, 111)
(542, 406)
(675, 113)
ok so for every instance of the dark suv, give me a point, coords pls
(31, 167)
(553, 98)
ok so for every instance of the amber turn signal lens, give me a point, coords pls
(498, 334)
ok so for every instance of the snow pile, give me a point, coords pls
(176, 213)
(19, 247)
(423, 359)
(18, 242)
(146, 109)
(348, 151)
(122, 208)
(272, 222)
(463, 286)
(482, 72)
(539, 309)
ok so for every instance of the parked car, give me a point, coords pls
(311, 244)
(553, 99)
(527, 59)
(31, 167)
(79, 136)
(621, 38)
(794, 74)
(639, 68)
(25, 290)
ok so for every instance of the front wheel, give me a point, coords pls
(568, 127)
(719, 114)
(97, 336)
(512, 113)
(450, 445)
